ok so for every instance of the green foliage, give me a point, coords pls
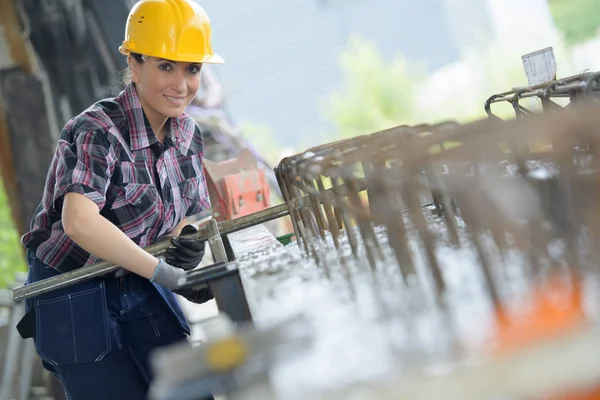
(11, 254)
(263, 139)
(376, 96)
(578, 20)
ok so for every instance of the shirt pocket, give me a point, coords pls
(190, 194)
(135, 207)
(73, 328)
(139, 195)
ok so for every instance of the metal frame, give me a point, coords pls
(99, 269)
(573, 88)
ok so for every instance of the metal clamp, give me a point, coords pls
(225, 283)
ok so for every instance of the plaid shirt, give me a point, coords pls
(109, 154)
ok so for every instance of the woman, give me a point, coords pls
(126, 174)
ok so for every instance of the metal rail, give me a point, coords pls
(158, 249)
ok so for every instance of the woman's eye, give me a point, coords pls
(165, 67)
(194, 69)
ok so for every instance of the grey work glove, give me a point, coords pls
(167, 275)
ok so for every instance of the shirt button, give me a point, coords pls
(173, 139)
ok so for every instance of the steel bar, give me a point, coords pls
(541, 92)
(102, 268)
(508, 94)
(572, 88)
(216, 242)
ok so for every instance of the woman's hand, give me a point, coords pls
(185, 253)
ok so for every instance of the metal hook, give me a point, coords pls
(520, 111)
(488, 105)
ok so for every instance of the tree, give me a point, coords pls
(376, 95)
(263, 139)
(11, 253)
(577, 20)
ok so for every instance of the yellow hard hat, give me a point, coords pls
(176, 30)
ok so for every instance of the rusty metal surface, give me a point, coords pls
(570, 88)
(486, 177)
(517, 200)
(399, 164)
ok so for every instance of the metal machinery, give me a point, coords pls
(239, 180)
(432, 261)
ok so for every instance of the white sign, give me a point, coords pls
(540, 66)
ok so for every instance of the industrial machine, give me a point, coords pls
(239, 180)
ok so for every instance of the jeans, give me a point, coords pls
(96, 336)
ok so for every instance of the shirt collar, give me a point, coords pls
(179, 130)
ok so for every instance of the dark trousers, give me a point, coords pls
(97, 337)
(144, 323)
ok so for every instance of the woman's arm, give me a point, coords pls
(82, 178)
(177, 230)
(83, 223)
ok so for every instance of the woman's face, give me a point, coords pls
(165, 88)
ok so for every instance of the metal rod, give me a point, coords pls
(563, 81)
(216, 243)
(102, 268)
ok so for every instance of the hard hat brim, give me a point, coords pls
(214, 59)
(210, 59)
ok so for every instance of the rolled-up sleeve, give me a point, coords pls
(85, 167)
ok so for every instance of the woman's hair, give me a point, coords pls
(126, 77)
